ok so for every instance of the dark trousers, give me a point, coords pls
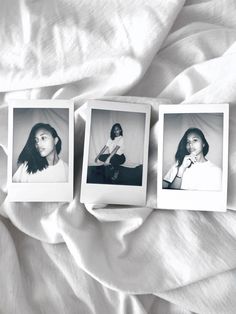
(115, 160)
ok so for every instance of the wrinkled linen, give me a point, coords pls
(72, 258)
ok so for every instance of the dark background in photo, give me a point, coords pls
(133, 125)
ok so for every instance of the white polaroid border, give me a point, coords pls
(41, 192)
(107, 193)
(186, 199)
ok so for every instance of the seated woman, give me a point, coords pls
(39, 160)
(115, 146)
(192, 170)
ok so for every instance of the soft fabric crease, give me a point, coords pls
(101, 258)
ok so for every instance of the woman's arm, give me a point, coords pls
(101, 152)
(176, 183)
(187, 161)
(20, 174)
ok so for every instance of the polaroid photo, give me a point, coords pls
(193, 157)
(41, 150)
(115, 159)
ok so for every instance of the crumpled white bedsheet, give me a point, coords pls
(68, 258)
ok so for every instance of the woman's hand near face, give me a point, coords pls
(188, 159)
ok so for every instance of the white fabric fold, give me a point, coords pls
(68, 258)
(107, 44)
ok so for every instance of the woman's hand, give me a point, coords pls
(188, 160)
(107, 162)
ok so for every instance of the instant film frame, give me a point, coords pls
(213, 119)
(22, 116)
(130, 187)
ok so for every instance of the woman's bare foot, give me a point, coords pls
(115, 175)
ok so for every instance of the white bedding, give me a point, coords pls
(68, 258)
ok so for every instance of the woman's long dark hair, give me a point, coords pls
(112, 134)
(29, 155)
(182, 150)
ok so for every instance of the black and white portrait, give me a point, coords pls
(193, 157)
(41, 150)
(116, 147)
(40, 145)
(115, 153)
(192, 148)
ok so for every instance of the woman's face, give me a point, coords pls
(45, 143)
(194, 144)
(117, 131)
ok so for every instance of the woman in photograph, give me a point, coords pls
(39, 160)
(192, 170)
(115, 146)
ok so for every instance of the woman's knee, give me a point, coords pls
(103, 157)
(117, 160)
